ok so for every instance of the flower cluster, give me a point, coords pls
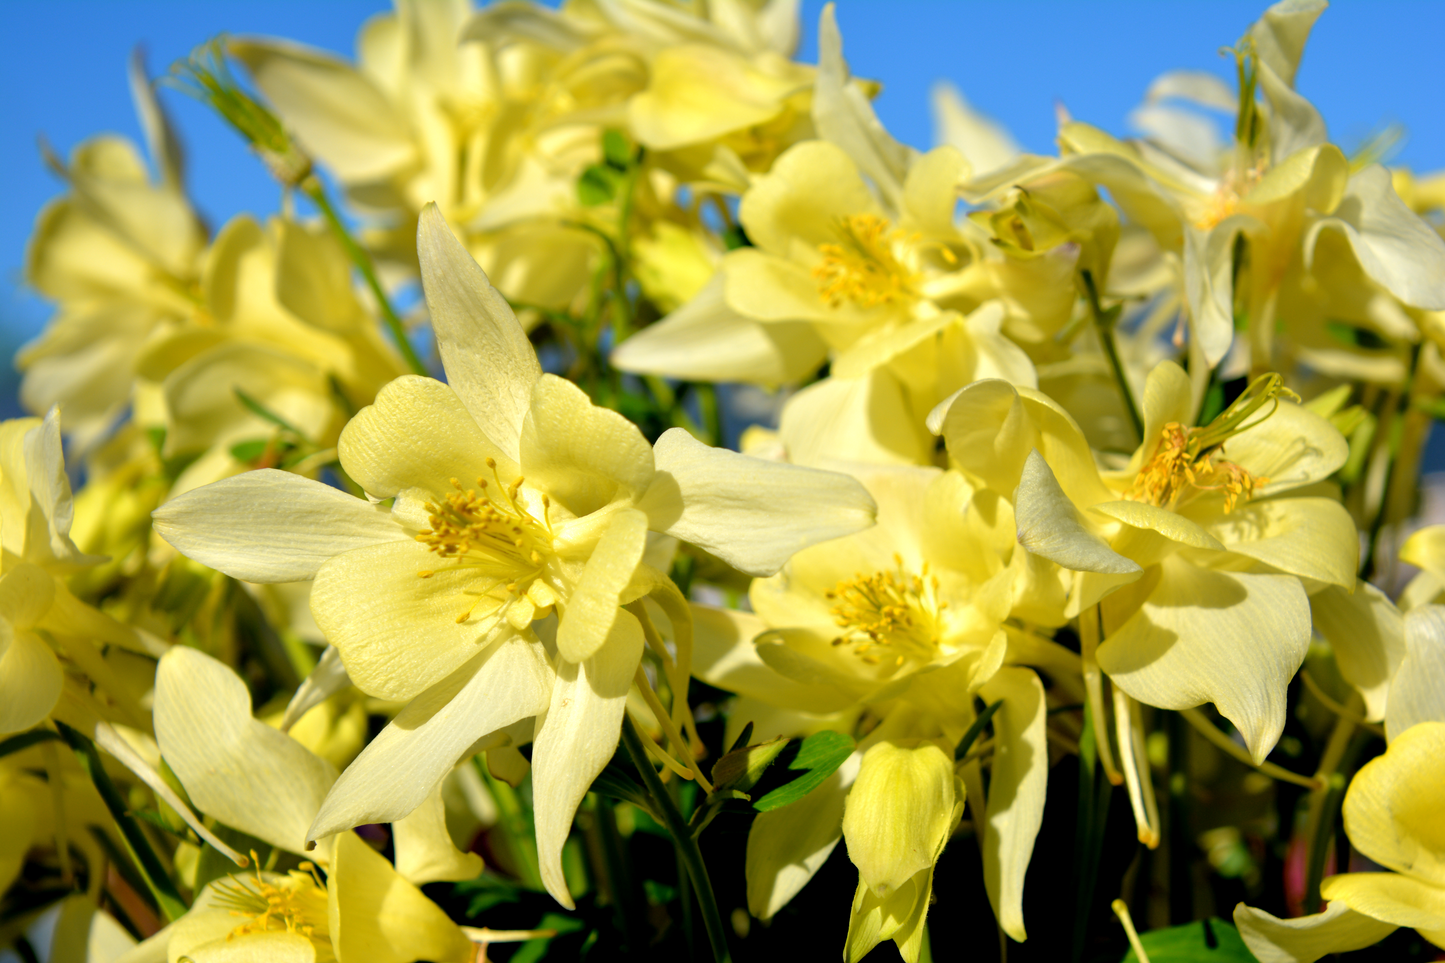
(738, 466)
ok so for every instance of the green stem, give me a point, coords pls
(687, 848)
(1104, 322)
(619, 874)
(1325, 801)
(514, 827)
(314, 189)
(157, 880)
(1093, 814)
(1319, 843)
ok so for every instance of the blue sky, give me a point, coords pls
(63, 77)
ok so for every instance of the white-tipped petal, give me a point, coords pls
(787, 846)
(1417, 690)
(1367, 634)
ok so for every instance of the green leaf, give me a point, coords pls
(249, 451)
(615, 783)
(266, 414)
(742, 768)
(169, 901)
(1203, 941)
(819, 756)
(617, 150)
(597, 185)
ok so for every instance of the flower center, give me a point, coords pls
(489, 529)
(889, 615)
(1188, 461)
(868, 267)
(295, 904)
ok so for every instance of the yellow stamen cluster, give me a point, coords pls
(1188, 461)
(868, 266)
(1177, 469)
(295, 904)
(889, 614)
(501, 539)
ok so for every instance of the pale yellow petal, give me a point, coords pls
(795, 207)
(1292, 447)
(769, 287)
(705, 340)
(1390, 898)
(244, 773)
(1018, 782)
(724, 656)
(864, 419)
(337, 113)
(589, 613)
(30, 680)
(425, 852)
(751, 513)
(1417, 688)
(1311, 537)
(271, 526)
(1392, 810)
(583, 456)
(787, 846)
(1305, 939)
(418, 434)
(1198, 638)
(1050, 526)
(898, 813)
(398, 633)
(400, 768)
(1367, 634)
(576, 738)
(485, 352)
(27, 593)
(378, 917)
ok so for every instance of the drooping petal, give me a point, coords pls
(1367, 634)
(1392, 810)
(425, 852)
(1050, 526)
(898, 916)
(852, 419)
(328, 678)
(583, 456)
(485, 352)
(751, 513)
(400, 768)
(787, 846)
(1417, 688)
(898, 813)
(379, 917)
(592, 608)
(244, 773)
(270, 525)
(1016, 791)
(576, 739)
(1196, 639)
(418, 434)
(1338, 929)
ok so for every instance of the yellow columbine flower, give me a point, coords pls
(902, 623)
(512, 499)
(1198, 553)
(1392, 816)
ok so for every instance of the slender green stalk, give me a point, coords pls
(1181, 839)
(1104, 322)
(1093, 815)
(157, 880)
(315, 190)
(1319, 843)
(687, 848)
(514, 827)
(619, 873)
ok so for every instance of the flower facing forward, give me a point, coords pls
(512, 499)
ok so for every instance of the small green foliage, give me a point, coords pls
(819, 756)
(1203, 941)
